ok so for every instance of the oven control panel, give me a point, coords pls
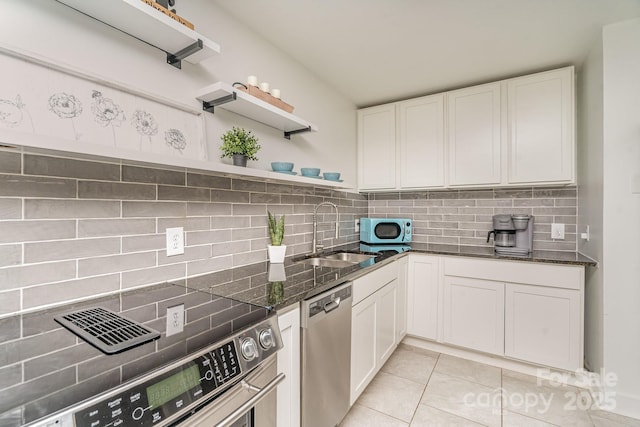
(153, 401)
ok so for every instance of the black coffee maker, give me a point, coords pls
(512, 234)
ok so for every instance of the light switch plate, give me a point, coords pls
(175, 241)
(356, 226)
(175, 319)
(557, 231)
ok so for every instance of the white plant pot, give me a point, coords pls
(276, 253)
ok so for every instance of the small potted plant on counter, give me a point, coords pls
(240, 145)
(276, 233)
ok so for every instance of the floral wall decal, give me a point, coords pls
(66, 106)
(145, 124)
(106, 112)
(174, 138)
(12, 112)
(48, 104)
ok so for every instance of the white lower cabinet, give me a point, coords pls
(423, 283)
(373, 332)
(543, 325)
(288, 391)
(401, 311)
(386, 322)
(474, 314)
(363, 345)
(522, 310)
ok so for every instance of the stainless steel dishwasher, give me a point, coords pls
(326, 357)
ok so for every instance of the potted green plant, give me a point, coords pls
(276, 234)
(240, 145)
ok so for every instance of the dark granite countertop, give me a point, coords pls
(281, 285)
(554, 257)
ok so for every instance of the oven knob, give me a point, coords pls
(266, 339)
(249, 349)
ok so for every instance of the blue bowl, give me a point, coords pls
(282, 166)
(331, 176)
(310, 171)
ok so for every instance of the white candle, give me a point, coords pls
(275, 93)
(252, 81)
(264, 86)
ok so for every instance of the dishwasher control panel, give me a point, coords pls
(153, 401)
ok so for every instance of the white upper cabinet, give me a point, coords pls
(474, 135)
(541, 128)
(377, 147)
(421, 134)
(513, 132)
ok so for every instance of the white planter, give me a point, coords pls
(276, 253)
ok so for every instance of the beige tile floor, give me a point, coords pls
(417, 387)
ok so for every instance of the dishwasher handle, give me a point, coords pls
(332, 305)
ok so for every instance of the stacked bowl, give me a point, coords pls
(283, 167)
(310, 172)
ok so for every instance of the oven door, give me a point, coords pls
(250, 403)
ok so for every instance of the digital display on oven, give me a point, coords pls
(163, 391)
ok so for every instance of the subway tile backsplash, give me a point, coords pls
(464, 217)
(74, 226)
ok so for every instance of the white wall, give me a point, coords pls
(50, 29)
(621, 237)
(590, 187)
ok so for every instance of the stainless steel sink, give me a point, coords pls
(324, 262)
(349, 257)
(336, 260)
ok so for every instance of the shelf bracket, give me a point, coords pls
(209, 105)
(287, 134)
(175, 59)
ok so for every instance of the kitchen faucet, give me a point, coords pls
(315, 225)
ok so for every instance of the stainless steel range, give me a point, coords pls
(195, 359)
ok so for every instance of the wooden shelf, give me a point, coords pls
(225, 96)
(138, 19)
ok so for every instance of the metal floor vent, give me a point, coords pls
(106, 330)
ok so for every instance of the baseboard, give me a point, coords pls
(581, 379)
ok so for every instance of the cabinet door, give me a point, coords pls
(377, 147)
(421, 133)
(541, 127)
(288, 391)
(363, 345)
(474, 314)
(401, 309)
(544, 325)
(386, 322)
(474, 135)
(422, 296)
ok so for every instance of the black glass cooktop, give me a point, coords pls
(44, 367)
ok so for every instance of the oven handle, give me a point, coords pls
(246, 406)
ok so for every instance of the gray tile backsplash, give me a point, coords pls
(464, 217)
(72, 227)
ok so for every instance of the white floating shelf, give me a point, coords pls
(225, 96)
(10, 138)
(138, 19)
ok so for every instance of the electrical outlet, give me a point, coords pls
(585, 235)
(356, 226)
(175, 241)
(175, 319)
(557, 231)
